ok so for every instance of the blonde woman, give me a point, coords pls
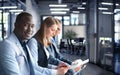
(41, 49)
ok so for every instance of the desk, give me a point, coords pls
(79, 48)
(108, 59)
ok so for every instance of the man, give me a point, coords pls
(15, 57)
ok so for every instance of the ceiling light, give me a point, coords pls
(58, 12)
(102, 8)
(76, 11)
(84, 3)
(80, 8)
(16, 10)
(105, 3)
(107, 13)
(17, 13)
(59, 9)
(8, 7)
(117, 4)
(57, 5)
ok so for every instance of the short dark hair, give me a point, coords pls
(23, 15)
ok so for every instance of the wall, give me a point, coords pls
(34, 10)
(44, 7)
(105, 24)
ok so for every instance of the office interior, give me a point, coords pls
(93, 24)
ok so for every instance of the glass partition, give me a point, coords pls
(5, 22)
(117, 39)
(105, 33)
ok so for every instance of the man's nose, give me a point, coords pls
(30, 28)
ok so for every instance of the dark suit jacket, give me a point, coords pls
(56, 57)
(33, 45)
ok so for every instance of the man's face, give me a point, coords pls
(25, 29)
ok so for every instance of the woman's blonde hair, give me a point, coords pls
(41, 34)
(58, 21)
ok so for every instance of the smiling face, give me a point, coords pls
(24, 29)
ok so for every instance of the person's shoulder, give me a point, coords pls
(6, 44)
(32, 40)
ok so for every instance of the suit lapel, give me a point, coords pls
(14, 39)
(31, 62)
(29, 54)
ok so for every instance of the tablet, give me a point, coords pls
(78, 62)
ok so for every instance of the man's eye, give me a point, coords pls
(25, 25)
(32, 26)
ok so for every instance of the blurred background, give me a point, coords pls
(90, 28)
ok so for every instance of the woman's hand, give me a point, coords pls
(62, 69)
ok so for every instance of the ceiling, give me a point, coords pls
(72, 4)
(12, 2)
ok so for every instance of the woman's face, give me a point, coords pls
(50, 32)
(59, 27)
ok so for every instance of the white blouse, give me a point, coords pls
(47, 53)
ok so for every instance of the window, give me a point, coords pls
(5, 22)
(117, 27)
(78, 19)
(66, 20)
(74, 19)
